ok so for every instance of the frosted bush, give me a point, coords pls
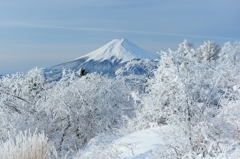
(70, 111)
(192, 89)
(27, 146)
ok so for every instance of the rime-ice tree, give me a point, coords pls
(87, 106)
(190, 89)
(19, 94)
(70, 111)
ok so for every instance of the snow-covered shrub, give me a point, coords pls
(27, 146)
(191, 89)
(19, 94)
(70, 111)
(88, 106)
(137, 67)
(27, 87)
(208, 51)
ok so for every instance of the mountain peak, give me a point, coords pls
(118, 53)
(120, 40)
(118, 50)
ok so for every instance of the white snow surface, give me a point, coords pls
(118, 50)
(141, 144)
(138, 145)
(151, 143)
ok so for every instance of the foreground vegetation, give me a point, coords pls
(196, 90)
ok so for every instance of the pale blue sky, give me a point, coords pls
(44, 33)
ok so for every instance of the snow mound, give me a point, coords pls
(138, 145)
(118, 50)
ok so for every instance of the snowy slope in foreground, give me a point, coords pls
(153, 143)
(137, 145)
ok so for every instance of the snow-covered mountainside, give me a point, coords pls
(107, 59)
(118, 50)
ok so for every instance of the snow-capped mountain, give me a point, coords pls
(107, 59)
(118, 50)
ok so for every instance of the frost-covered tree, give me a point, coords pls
(26, 87)
(190, 89)
(89, 105)
(70, 111)
(19, 94)
(208, 51)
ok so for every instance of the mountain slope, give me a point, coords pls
(107, 59)
(118, 50)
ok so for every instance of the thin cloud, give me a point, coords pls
(112, 30)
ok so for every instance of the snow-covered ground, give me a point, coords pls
(140, 144)
(152, 143)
